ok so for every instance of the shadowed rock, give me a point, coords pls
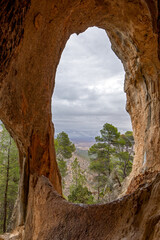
(135, 216)
(33, 36)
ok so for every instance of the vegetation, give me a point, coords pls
(64, 149)
(9, 177)
(110, 158)
(79, 193)
(82, 153)
(110, 162)
(124, 154)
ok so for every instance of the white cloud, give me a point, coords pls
(89, 87)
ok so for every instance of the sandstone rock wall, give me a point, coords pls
(33, 36)
(134, 217)
(31, 62)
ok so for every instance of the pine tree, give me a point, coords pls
(9, 177)
(124, 153)
(64, 150)
(101, 154)
(79, 193)
(110, 159)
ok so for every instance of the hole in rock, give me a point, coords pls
(89, 97)
(9, 178)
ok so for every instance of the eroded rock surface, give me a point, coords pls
(17, 234)
(50, 217)
(33, 36)
(134, 217)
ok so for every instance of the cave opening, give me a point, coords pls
(89, 94)
(32, 42)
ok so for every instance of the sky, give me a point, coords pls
(89, 88)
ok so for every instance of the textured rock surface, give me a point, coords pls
(134, 217)
(17, 234)
(33, 36)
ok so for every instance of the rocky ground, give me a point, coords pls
(84, 164)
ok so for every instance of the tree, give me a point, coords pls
(101, 154)
(110, 158)
(64, 150)
(78, 177)
(125, 152)
(9, 177)
(79, 193)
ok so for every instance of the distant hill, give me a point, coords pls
(84, 145)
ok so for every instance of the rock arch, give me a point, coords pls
(34, 34)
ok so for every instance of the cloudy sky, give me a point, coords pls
(89, 87)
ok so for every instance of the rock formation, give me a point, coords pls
(33, 36)
(126, 218)
(134, 217)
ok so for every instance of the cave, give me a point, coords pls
(80, 110)
(33, 36)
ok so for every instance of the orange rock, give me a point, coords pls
(33, 36)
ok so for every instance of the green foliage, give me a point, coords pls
(79, 193)
(124, 153)
(64, 149)
(78, 174)
(110, 158)
(100, 155)
(109, 134)
(9, 176)
(63, 167)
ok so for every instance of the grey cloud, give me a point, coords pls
(89, 87)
